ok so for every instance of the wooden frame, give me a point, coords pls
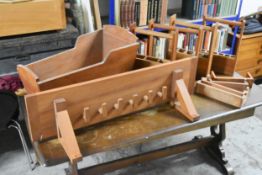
(58, 112)
(204, 63)
(223, 64)
(105, 98)
(93, 53)
(229, 90)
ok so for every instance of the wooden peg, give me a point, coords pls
(164, 92)
(103, 110)
(119, 104)
(146, 98)
(86, 114)
(151, 24)
(150, 96)
(135, 100)
(159, 94)
(131, 102)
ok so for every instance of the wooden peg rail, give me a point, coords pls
(230, 90)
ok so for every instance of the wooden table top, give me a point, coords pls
(144, 126)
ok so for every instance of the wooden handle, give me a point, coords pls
(259, 61)
(153, 33)
(257, 70)
(231, 23)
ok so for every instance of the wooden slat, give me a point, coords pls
(219, 94)
(66, 135)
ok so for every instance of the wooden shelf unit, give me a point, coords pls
(250, 55)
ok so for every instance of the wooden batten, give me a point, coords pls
(65, 133)
(181, 98)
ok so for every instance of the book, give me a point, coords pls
(149, 10)
(123, 11)
(88, 18)
(137, 12)
(117, 12)
(143, 12)
(111, 11)
(195, 9)
(163, 14)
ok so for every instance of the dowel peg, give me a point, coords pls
(146, 98)
(150, 95)
(86, 114)
(164, 92)
(103, 110)
(159, 94)
(135, 100)
(118, 104)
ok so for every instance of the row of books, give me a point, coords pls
(195, 9)
(126, 12)
(187, 42)
(159, 50)
(222, 39)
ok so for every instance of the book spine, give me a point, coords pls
(159, 11)
(112, 12)
(215, 8)
(155, 10)
(137, 11)
(122, 12)
(194, 9)
(143, 12)
(149, 10)
(164, 11)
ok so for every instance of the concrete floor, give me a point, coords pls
(243, 148)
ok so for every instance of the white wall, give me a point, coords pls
(250, 6)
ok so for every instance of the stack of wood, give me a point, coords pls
(229, 90)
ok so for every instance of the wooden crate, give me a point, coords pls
(32, 16)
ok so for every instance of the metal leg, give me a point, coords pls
(17, 126)
(215, 149)
(72, 169)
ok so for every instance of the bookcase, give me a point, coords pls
(186, 10)
(225, 9)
